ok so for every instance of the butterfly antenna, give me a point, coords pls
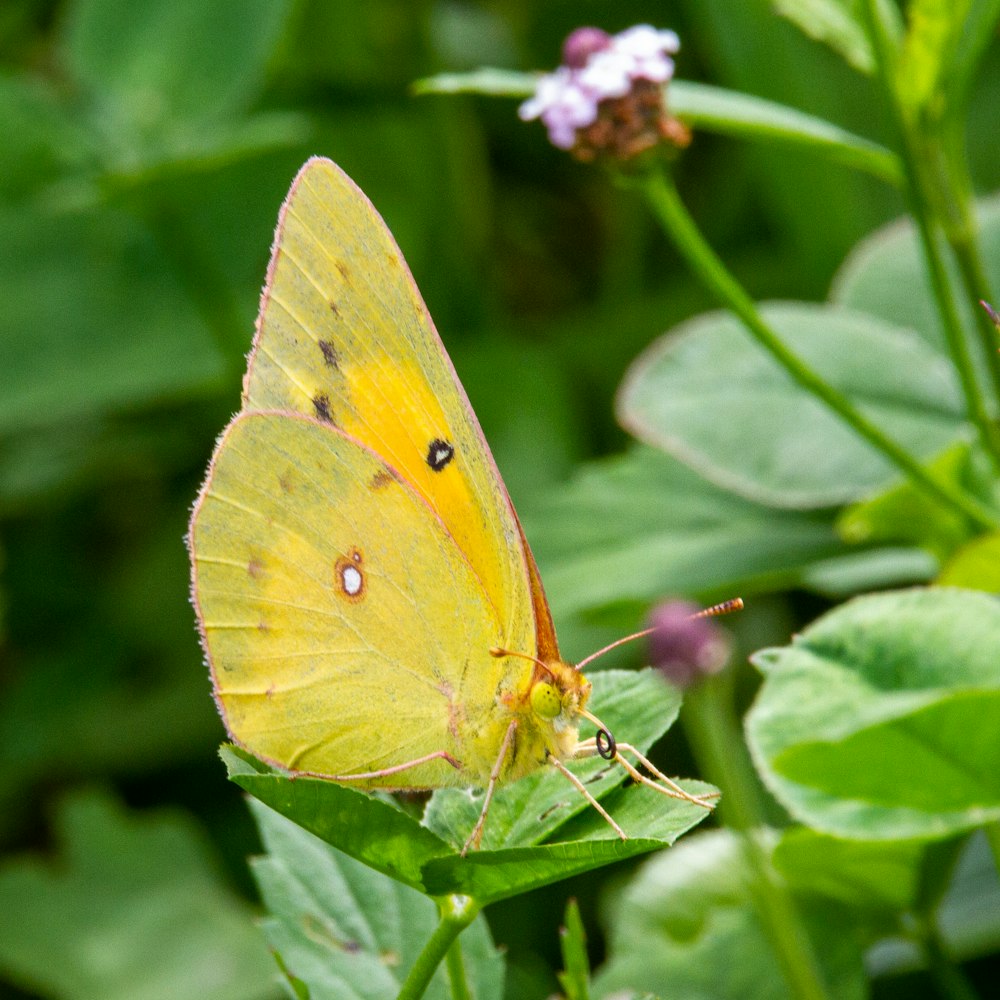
(499, 652)
(725, 608)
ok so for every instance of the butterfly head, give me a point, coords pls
(558, 693)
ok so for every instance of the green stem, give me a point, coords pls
(713, 730)
(709, 718)
(961, 230)
(455, 965)
(457, 912)
(665, 201)
(951, 981)
(913, 152)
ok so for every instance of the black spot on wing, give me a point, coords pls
(330, 356)
(439, 454)
(321, 407)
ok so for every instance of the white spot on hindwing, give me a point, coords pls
(350, 577)
(351, 580)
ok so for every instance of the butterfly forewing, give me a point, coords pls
(344, 337)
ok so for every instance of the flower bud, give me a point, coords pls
(685, 647)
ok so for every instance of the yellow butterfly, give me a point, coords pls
(368, 604)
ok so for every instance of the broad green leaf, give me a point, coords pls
(975, 565)
(872, 875)
(687, 925)
(92, 321)
(637, 707)
(885, 275)
(710, 395)
(144, 63)
(879, 721)
(870, 569)
(133, 909)
(348, 933)
(639, 526)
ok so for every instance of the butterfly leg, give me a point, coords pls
(477, 831)
(582, 789)
(670, 788)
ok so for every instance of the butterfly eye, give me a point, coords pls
(545, 701)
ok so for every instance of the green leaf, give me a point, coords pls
(836, 23)
(42, 140)
(575, 977)
(904, 513)
(880, 719)
(885, 275)
(487, 80)
(969, 914)
(710, 109)
(637, 706)
(133, 909)
(710, 395)
(730, 112)
(881, 876)
(975, 565)
(145, 62)
(92, 321)
(348, 932)
(638, 526)
(687, 925)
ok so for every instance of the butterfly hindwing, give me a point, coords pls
(346, 631)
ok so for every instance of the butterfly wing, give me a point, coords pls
(345, 629)
(344, 336)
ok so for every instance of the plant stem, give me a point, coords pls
(709, 718)
(668, 207)
(456, 972)
(951, 982)
(457, 912)
(913, 152)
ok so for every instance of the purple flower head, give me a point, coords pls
(581, 44)
(597, 68)
(686, 648)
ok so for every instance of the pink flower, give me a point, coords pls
(562, 105)
(598, 67)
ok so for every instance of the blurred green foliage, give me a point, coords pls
(146, 149)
